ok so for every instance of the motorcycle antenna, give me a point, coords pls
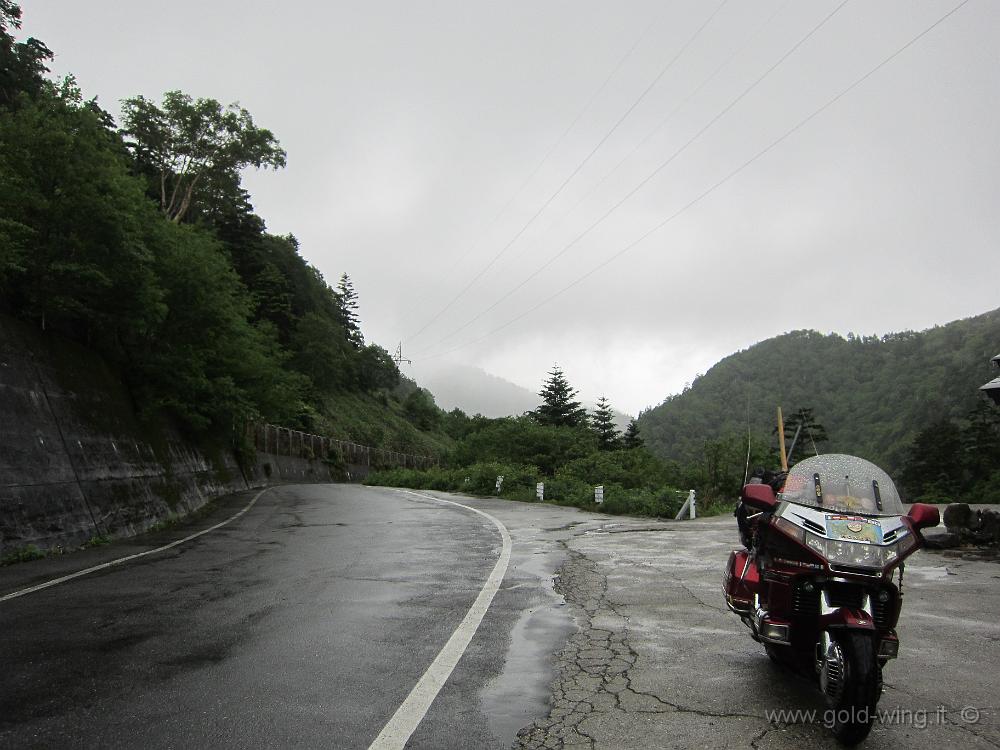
(781, 441)
(795, 439)
(815, 449)
(746, 471)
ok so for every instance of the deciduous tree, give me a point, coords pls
(190, 144)
(22, 64)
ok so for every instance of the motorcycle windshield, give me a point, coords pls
(842, 484)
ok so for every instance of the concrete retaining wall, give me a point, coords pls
(75, 462)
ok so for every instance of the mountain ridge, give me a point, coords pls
(873, 394)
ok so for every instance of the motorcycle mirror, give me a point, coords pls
(924, 516)
(759, 496)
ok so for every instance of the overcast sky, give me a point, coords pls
(415, 131)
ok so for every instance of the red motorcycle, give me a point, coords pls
(817, 583)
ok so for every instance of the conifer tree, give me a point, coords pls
(349, 311)
(602, 421)
(810, 432)
(558, 406)
(632, 438)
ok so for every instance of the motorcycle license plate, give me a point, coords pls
(854, 529)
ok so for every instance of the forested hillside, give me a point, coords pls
(873, 395)
(138, 241)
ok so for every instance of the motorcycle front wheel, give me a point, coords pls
(854, 709)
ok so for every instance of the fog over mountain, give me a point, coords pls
(475, 391)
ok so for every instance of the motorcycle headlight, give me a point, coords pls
(817, 544)
(858, 554)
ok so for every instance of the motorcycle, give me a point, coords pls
(816, 583)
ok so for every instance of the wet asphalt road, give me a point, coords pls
(303, 624)
(306, 622)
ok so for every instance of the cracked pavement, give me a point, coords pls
(658, 661)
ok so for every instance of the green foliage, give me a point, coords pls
(602, 421)
(212, 320)
(720, 470)
(558, 408)
(322, 353)
(956, 460)
(519, 484)
(368, 419)
(23, 554)
(421, 410)
(522, 440)
(641, 502)
(75, 238)
(207, 363)
(632, 439)
(22, 64)
(194, 149)
(566, 458)
(874, 394)
(376, 369)
(631, 469)
(348, 300)
(803, 434)
(457, 424)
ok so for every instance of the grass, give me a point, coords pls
(24, 554)
(377, 420)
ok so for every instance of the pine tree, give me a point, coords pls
(810, 433)
(558, 407)
(348, 299)
(632, 438)
(602, 421)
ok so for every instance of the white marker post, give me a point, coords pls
(689, 506)
(540, 491)
(599, 494)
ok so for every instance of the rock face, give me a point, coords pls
(989, 526)
(958, 517)
(941, 540)
(971, 526)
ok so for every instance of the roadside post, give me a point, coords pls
(599, 494)
(540, 491)
(689, 507)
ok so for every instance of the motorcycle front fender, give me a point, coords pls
(846, 618)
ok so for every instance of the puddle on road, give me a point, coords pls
(520, 694)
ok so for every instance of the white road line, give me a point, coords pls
(121, 560)
(412, 711)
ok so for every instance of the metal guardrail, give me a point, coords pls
(283, 441)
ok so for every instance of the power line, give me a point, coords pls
(662, 123)
(535, 170)
(714, 187)
(648, 177)
(580, 166)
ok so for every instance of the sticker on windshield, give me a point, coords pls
(854, 529)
